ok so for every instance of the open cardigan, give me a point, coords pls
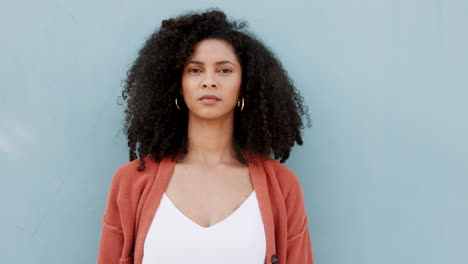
(134, 197)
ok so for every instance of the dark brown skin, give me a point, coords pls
(209, 184)
(270, 123)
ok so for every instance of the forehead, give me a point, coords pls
(210, 50)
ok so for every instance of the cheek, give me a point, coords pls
(233, 81)
(232, 91)
(188, 85)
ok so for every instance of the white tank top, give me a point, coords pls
(173, 238)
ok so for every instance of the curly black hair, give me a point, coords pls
(270, 121)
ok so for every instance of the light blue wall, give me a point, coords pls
(384, 167)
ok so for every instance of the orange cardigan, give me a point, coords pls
(134, 197)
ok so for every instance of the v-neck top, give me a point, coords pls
(134, 198)
(173, 238)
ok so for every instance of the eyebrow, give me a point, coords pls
(217, 63)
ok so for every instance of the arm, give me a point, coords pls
(112, 239)
(111, 243)
(299, 248)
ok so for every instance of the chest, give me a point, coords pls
(207, 197)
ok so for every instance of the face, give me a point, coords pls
(213, 69)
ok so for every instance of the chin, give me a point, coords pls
(211, 114)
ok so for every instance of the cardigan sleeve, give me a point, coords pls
(299, 244)
(111, 243)
(112, 238)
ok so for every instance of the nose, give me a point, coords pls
(209, 81)
(206, 84)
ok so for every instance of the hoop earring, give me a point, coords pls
(177, 104)
(238, 104)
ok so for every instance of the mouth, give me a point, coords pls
(209, 96)
(208, 100)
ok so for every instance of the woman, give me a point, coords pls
(207, 104)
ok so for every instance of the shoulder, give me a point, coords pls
(127, 178)
(286, 177)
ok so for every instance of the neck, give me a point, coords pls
(210, 141)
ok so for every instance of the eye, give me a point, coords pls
(224, 70)
(191, 70)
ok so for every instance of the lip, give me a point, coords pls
(209, 96)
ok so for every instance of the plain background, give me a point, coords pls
(384, 166)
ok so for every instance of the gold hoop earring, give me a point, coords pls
(177, 104)
(238, 104)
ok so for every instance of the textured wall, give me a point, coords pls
(384, 166)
